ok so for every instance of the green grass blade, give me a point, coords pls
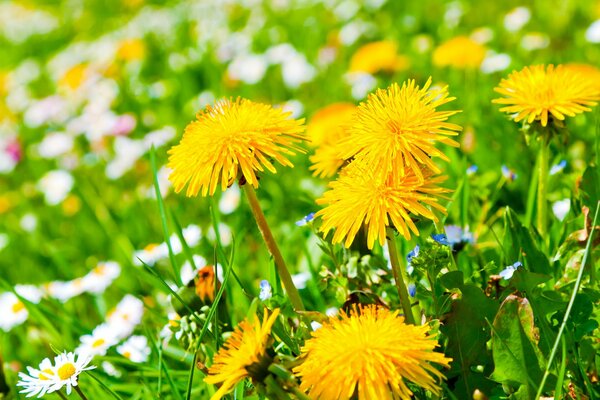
(163, 217)
(570, 305)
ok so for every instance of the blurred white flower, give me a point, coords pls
(482, 35)
(225, 234)
(301, 279)
(52, 109)
(64, 291)
(12, 310)
(294, 106)
(135, 349)
(29, 222)
(362, 83)
(592, 34)
(453, 14)
(4, 240)
(98, 342)
(346, 9)
(230, 199)
(126, 316)
(353, 31)
(151, 254)
(31, 293)
(55, 144)
(102, 276)
(535, 41)
(561, 208)
(517, 19)
(248, 68)
(495, 62)
(297, 71)
(111, 370)
(55, 185)
(280, 53)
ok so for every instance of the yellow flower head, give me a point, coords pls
(131, 50)
(242, 355)
(378, 352)
(359, 197)
(539, 93)
(232, 136)
(378, 56)
(397, 129)
(460, 52)
(325, 130)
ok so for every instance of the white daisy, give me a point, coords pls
(102, 338)
(12, 310)
(98, 279)
(126, 316)
(136, 349)
(67, 369)
(38, 382)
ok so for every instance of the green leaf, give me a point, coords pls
(467, 332)
(590, 186)
(517, 360)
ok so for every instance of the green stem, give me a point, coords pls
(61, 395)
(267, 235)
(80, 393)
(588, 251)
(399, 277)
(542, 192)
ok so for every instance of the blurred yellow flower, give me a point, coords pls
(590, 73)
(360, 197)
(378, 352)
(540, 93)
(397, 129)
(244, 354)
(459, 52)
(378, 56)
(230, 137)
(326, 128)
(131, 50)
(74, 77)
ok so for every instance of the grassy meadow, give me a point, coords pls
(299, 199)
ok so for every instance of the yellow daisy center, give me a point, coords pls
(66, 371)
(46, 374)
(17, 307)
(98, 343)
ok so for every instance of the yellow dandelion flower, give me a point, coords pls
(326, 128)
(398, 128)
(379, 351)
(539, 93)
(131, 50)
(378, 56)
(232, 136)
(74, 77)
(460, 52)
(360, 197)
(242, 355)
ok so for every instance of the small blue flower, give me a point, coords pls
(508, 173)
(412, 289)
(558, 167)
(472, 170)
(441, 239)
(412, 254)
(306, 220)
(508, 272)
(266, 292)
(458, 237)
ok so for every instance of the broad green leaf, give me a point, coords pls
(519, 244)
(517, 360)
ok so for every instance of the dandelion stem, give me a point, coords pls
(542, 201)
(267, 235)
(80, 393)
(399, 277)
